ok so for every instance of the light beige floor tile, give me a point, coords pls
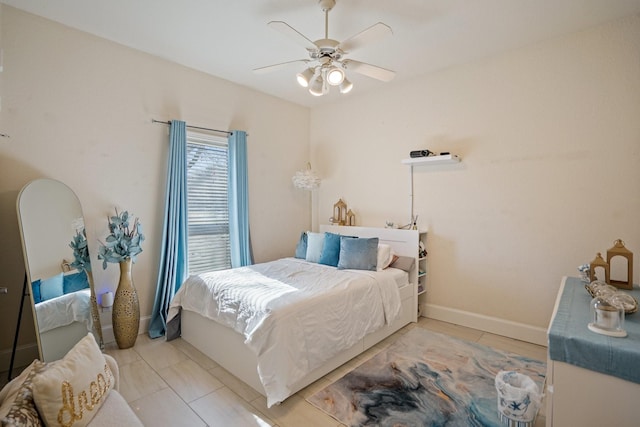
(313, 388)
(187, 375)
(388, 341)
(342, 370)
(194, 354)
(456, 331)
(522, 348)
(189, 380)
(225, 408)
(237, 386)
(368, 354)
(158, 353)
(137, 380)
(295, 412)
(123, 357)
(165, 408)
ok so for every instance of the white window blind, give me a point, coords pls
(207, 195)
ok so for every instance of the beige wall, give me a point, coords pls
(548, 134)
(79, 109)
(550, 141)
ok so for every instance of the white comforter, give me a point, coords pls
(64, 310)
(294, 315)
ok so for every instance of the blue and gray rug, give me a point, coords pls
(425, 379)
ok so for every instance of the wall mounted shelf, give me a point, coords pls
(432, 160)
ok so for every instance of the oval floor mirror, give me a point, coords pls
(58, 268)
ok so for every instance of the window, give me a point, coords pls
(208, 212)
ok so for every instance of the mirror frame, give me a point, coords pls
(76, 224)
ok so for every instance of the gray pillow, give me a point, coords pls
(404, 263)
(358, 254)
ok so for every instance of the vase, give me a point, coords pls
(126, 309)
(95, 314)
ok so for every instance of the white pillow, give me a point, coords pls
(72, 390)
(315, 241)
(385, 256)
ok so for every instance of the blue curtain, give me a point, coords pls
(241, 253)
(173, 260)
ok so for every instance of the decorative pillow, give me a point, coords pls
(51, 287)
(72, 282)
(385, 255)
(35, 291)
(18, 408)
(314, 246)
(331, 249)
(358, 254)
(301, 247)
(394, 258)
(404, 263)
(73, 389)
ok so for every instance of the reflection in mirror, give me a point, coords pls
(58, 267)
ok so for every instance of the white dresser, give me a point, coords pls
(584, 369)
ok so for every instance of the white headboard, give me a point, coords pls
(403, 242)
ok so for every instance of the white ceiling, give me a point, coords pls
(229, 38)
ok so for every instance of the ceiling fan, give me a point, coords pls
(327, 64)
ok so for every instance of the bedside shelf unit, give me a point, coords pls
(446, 159)
(422, 275)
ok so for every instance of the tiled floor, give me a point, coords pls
(173, 384)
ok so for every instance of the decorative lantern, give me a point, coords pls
(340, 213)
(351, 218)
(598, 261)
(618, 249)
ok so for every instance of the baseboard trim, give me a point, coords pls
(107, 330)
(25, 354)
(494, 325)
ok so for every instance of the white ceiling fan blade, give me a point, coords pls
(364, 37)
(369, 70)
(275, 67)
(293, 34)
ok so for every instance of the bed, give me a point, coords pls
(64, 316)
(301, 319)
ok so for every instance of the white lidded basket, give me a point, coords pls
(518, 398)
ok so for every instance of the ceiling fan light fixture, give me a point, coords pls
(305, 77)
(316, 88)
(346, 86)
(335, 76)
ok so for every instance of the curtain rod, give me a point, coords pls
(193, 127)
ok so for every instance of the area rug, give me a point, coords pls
(425, 379)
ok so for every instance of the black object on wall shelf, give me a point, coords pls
(434, 160)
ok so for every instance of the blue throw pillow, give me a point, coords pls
(301, 247)
(74, 282)
(330, 249)
(51, 287)
(35, 291)
(358, 254)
